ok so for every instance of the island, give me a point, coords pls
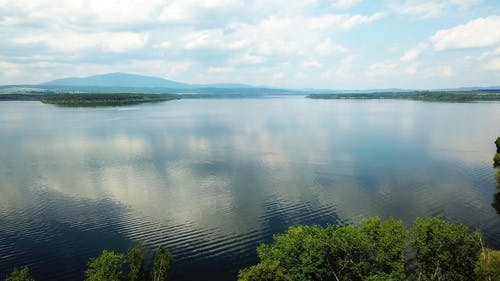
(89, 99)
(437, 96)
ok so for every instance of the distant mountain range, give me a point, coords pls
(132, 83)
(126, 80)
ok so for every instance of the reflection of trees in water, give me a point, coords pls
(496, 163)
(497, 177)
(496, 202)
(496, 197)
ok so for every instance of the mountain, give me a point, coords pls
(125, 80)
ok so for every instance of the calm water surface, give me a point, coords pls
(212, 179)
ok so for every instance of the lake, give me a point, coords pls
(213, 178)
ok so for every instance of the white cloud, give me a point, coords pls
(245, 41)
(481, 32)
(327, 47)
(174, 69)
(425, 9)
(493, 64)
(220, 70)
(9, 69)
(117, 42)
(341, 69)
(343, 21)
(429, 9)
(312, 64)
(445, 71)
(413, 54)
(204, 39)
(344, 4)
(249, 59)
(162, 45)
(278, 76)
(383, 68)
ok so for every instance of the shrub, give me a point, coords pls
(489, 265)
(445, 251)
(22, 274)
(107, 267)
(496, 160)
(376, 248)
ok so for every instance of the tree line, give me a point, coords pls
(376, 250)
(113, 266)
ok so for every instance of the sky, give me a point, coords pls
(337, 44)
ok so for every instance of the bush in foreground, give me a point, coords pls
(108, 266)
(111, 266)
(374, 251)
(445, 251)
(22, 274)
(489, 265)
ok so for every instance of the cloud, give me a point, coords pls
(117, 42)
(312, 64)
(162, 45)
(429, 9)
(249, 59)
(445, 71)
(383, 68)
(481, 32)
(327, 47)
(413, 54)
(9, 69)
(344, 4)
(220, 70)
(343, 21)
(493, 64)
(246, 41)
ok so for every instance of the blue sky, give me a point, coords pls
(344, 44)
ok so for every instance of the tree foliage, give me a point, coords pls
(161, 264)
(333, 253)
(111, 266)
(264, 271)
(22, 274)
(496, 160)
(497, 179)
(489, 265)
(376, 250)
(107, 267)
(135, 260)
(444, 250)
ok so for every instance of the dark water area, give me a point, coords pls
(211, 179)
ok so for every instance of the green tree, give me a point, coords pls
(161, 264)
(445, 251)
(389, 238)
(376, 248)
(497, 178)
(489, 265)
(135, 260)
(303, 251)
(384, 277)
(496, 160)
(107, 267)
(264, 271)
(22, 274)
